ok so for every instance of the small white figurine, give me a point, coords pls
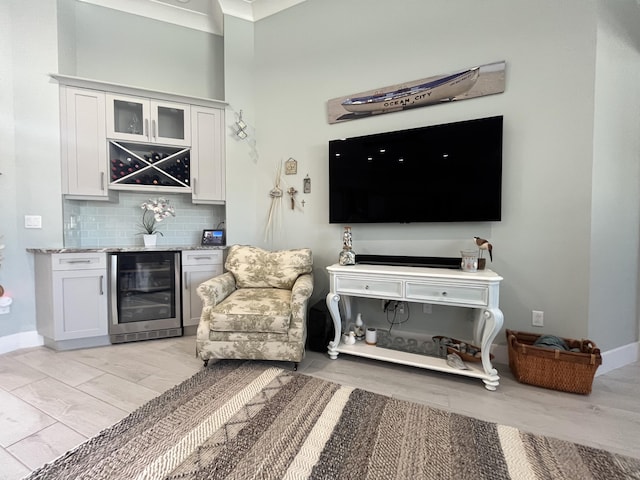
(349, 339)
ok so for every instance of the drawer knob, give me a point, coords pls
(444, 294)
(366, 287)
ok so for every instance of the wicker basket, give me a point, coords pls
(556, 369)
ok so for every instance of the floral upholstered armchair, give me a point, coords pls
(257, 309)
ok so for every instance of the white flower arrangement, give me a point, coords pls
(155, 210)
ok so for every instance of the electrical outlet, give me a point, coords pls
(537, 318)
(400, 308)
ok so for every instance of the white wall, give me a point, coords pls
(282, 70)
(127, 49)
(30, 158)
(322, 49)
(242, 155)
(616, 173)
(177, 60)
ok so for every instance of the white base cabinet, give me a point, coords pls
(71, 299)
(197, 267)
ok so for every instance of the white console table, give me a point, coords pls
(479, 291)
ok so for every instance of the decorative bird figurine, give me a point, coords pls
(484, 245)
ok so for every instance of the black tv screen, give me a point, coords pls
(441, 173)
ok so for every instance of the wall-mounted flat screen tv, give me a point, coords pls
(440, 173)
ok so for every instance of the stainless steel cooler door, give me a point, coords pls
(144, 291)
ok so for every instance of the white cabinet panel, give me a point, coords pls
(369, 287)
(191, 303)
(71, 299)
(447, 294)
(202, 257)
(82, 303)
(78, 261)
(207, 155)
(197, 267)
(84, 143)
(147, 120)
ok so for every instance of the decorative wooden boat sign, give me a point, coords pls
(472, 82)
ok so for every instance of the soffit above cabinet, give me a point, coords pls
(135, 91)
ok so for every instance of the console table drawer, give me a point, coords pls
(449, 294)
(369, 288)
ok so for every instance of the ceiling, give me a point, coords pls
(205, 15)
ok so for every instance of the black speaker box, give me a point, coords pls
(320, 330)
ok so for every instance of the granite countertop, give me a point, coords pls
(159, 248)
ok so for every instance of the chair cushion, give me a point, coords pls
(265, 310)
(254, 267)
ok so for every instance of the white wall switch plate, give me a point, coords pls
(537, 318)
(32, 221)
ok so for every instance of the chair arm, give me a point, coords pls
(302, 288)
(216, 289)
(300, 294)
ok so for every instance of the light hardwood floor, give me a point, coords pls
(52, 401)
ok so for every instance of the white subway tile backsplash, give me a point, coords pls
(90, 224)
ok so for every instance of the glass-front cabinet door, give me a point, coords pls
(148, 121)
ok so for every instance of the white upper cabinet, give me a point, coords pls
(116, 137)
(147, 120)
(84, 143)
(207, 155)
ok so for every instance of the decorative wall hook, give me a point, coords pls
(241, 127)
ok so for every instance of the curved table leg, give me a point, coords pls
(332, 305)
(491, 324)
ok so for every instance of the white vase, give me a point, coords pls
(150, 240)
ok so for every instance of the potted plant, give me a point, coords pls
(154, 211)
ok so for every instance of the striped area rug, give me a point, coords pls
(249, 420)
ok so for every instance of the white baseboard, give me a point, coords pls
(619, 357)
(612, 359)
(20, 340)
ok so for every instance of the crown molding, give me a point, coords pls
(254, 10)
(212, 22)
(164, 12)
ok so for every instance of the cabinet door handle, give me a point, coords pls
(76, 261)
(202, 257)
(153, 128)
(186, 284)
(102, 181)
(195, 189)
(146, 127)
(444, 294)
(101, 283)
(366, 287)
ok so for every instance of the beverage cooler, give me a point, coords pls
(144, 296)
